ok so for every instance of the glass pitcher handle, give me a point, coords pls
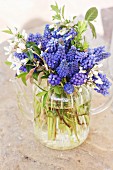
(106, 104)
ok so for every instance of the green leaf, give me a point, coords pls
(36, 49)
(74, 17)
(57, 17)
(45, 99)
(63, 11)
(7, 31)
(44, 77)
(55, 8)
(8, 63)
(92, 29)
(85, 45)
(19, 35)
(40, 94)
(35, 75)
(23, 77)
(91, 14)
(58, 89)
(30, 55)
(82, 26)
(29, 44)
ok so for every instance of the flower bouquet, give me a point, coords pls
(63, 69)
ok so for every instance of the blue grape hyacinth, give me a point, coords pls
(73, 68)
(60, 54)
(88, 62)
(103, 88)
(78, 79)
(68, 88)
(54, 79)
(36, 38)
(63, 69)
(23, 69)
(52, 45)
(47, 32)
(20, 56)
(51, 60)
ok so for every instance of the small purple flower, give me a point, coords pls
(54, 79)
(36, 38)
(68, 88)
(51, 60)
(88, 62)
(73, 68)
(20, 56)
(103, 88)
(78, 79)
(47, 32)
(63, 69)
(60, 54)
(52, 45)
(71, 54)
(23, 69)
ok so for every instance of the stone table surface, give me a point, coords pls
(19, 150)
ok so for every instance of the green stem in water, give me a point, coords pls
(51, 128)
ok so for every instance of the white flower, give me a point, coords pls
(39, 46)
(81, 70)
(14, 31)
(95, 72)
(51, 26)
(18, 50)
(62, 31)
(24, 61)
(21, 46)
(24, 34)
(99, 81)
(16, 40)
(69, 37)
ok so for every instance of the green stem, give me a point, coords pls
(51, 128)
(40, 87)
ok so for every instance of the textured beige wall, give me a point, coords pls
(18, 12)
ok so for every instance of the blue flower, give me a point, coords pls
(60, 54)
(23, 69)
(73, 68)
(47, 32)
(70, 34)
(55, 33)
(88, 62)
(36, 38)
(103, 88)
(63, 69)
(99, 53)
(52, 45)
(54, 79)
(44, 43)
(51, 60)
(20, 56)
(71, 53)
(80, 55)
(68, 88)
(78, 79)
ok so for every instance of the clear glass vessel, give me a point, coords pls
(63, 121)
